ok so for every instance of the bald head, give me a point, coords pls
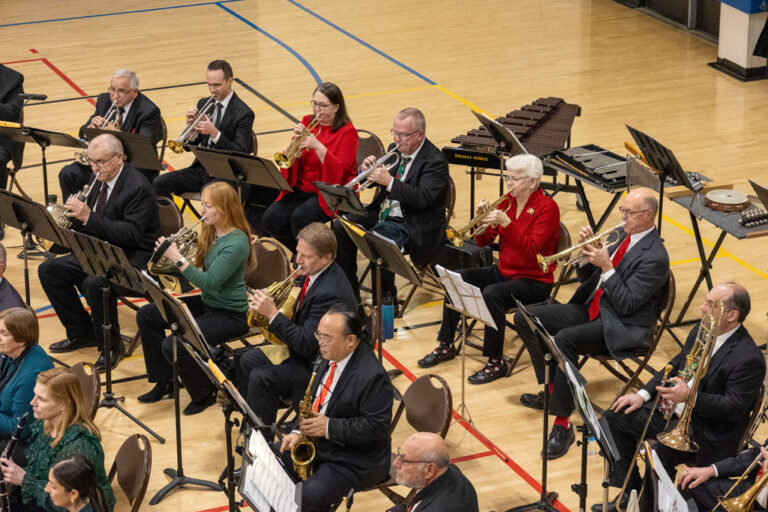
(423, 458)
(736, 304)
(638, 210)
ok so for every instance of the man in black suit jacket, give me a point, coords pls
(723, 402)
(409, 206)
(230, 127)
(264, 382)
(9, 297)
(11, 85)
(351, 400)
(138, 115)
(612, 312)
(423, 464)
(121, 210)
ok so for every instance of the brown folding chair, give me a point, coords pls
(133, 467)
(756, 413)
(90, 382)
(164, 140)
(368, 144)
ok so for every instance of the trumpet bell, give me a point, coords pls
(282, 160)
(176, 146)
(454, 237)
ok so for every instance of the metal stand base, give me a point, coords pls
(179, 480)
(545, 503)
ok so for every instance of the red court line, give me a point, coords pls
(471, 457)
(58, 72)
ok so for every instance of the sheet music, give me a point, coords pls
(670, 499)
(466, 296)
(583, 400)
(266, 482)
(379, 235)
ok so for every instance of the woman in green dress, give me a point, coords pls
(72, 485)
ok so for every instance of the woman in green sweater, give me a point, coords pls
(223, 252)
(62, 428)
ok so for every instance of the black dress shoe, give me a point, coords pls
(70, 345)
(114, 357)
(198, 407)
(533, 401)
(157, 393)
(437, 356)
(560, 439)
(598, 507)
(489, 373)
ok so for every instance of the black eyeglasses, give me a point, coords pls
(403, 460)
(99, 163)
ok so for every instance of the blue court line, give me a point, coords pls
(293, 52)
(367, 45)
(116, 13)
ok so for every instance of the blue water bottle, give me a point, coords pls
(387, 319)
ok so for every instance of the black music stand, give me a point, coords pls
(109, 263)
(32, 219)
(507, 142)
(383, 254)
(340, 198)
(138, 149)
(42, 138)
(182, 325)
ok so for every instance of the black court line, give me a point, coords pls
(97, 95)
(267, 100)
(419, 326)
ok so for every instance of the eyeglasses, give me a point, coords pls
(624, 212)
(324, 338)
(120, 92)
(403, 460)
(514, 179)
(320, 105)
(398, 135)
(100, 163)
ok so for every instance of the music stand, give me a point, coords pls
(108, 262)
(507, 143)
(383, 254)
(138, 148)
(665, 496)
(264, 484)
(30, 218)
(42, 138)
(468, 301)
(340, 198)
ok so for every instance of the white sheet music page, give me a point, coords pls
(267, 478)
(466, 296)
(670, 499)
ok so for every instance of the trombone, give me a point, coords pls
(457, 237)
(608, 237)
(284, 159)
(744, 502)
(190, 133)
(363, 174)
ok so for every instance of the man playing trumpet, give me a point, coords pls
(613, 311)
(131, 112)
(526, 224)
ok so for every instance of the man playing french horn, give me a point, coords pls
(721, 406)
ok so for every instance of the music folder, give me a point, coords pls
(138, 149)
(241, 168)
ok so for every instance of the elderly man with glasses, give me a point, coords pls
(613, 311)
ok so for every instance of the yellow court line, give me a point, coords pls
(689, 260)
(467, 103)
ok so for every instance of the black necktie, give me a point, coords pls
(219, 107)
(119, 120)
(101, 201)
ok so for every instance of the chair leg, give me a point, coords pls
(133, 344)
(514, 362)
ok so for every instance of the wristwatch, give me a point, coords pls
(181, 262)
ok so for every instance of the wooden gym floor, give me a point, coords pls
(620, 66)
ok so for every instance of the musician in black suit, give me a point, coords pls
(351, 400)
(121, 210)
(11, 85)
(138, 115)
(423, 464)
(612, 312)
(723, 402)
(229, 127)
(9, 297)
(408, 207)
(266, 381)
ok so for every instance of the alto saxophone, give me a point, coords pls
(303, 452)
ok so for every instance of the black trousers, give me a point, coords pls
(216, 326)
(5, 157)
(189, 179)
(574, 334)
(285, 218)
(73, 177)
(324, 489)
(257, 200)
(705, 495)
(61, 278)
(499, 295)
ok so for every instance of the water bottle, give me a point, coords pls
(387, 318)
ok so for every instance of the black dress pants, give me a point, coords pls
(284, 219)
(574, 334)
(324, 489)
(73, 177)
(61, 278)
(5, 157)
(190, 179)
(706, 494)
(216, 326)
(499, 295)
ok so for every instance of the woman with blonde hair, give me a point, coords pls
(62, 427)
(223, 252)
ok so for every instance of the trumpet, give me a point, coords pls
(163, 267)
(607, 237)
(458, 236)
(109, 118)
(285, 158)
(190, 133)
(363, 174)
(59, 214)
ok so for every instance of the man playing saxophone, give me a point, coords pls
(526, 224)
(351, 412)
(722, 404)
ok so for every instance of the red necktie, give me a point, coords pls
(594, 307)
(303, 292)
(320, 400)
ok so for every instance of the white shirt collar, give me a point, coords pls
(313, 277)
(724, 337)
(126, 108)
(226, 100)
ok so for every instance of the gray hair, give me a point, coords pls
(530, 165)
(416, 114)
(2, 255)
(440, 458)
(130, 75)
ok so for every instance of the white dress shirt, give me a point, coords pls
(224, 104)
(394, 207)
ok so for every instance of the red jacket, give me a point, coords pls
(338, 167)
(534, 232)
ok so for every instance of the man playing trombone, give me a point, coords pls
(722, 404)
(613, 311)
(121, 108)
(526, 222)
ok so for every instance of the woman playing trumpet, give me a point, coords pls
(327, 154)
(223, 251)
(529, 225)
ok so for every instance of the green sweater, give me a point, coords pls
(222, 279)
(41, 456)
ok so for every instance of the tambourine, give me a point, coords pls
(726, 201)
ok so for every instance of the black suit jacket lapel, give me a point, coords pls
(129, 124)
(229, 113)
(343, 381)
(722, 354)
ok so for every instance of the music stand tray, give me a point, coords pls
(506, 139)
(139, 149)
(241, 168)
(341, 199)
